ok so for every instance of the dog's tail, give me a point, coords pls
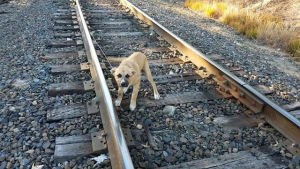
(114, 59)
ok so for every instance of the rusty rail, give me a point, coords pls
(117, 147)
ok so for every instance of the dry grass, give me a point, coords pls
(244, 24)
(262, 26)
(212, 10)
(294, 47)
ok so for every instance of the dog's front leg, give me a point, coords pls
(120, 96)
(134, 95)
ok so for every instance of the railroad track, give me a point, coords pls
(196, 117)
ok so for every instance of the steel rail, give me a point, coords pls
(117, 147)
(277, 117)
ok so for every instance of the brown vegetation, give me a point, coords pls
(253, 22)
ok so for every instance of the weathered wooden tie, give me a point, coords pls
(65, 28)
(73, 111)
(66, 34)
(124, 22)
(65, 22)
(121, 34)
(70, 88)
(66, 43)
(56, 69)
(242, 159)
(74, 87)
(60, 55)
(171, 99)
(72, 147)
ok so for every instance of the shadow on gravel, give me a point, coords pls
(3, 2)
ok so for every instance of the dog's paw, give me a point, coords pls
(117, 103)
(132, 107)
(125, 89)
(156, 96)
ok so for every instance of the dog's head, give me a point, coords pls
(123, 75)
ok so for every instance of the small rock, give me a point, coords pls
(183, 140)
(139, 126)
(253, 151)
(90, 162)
(34, 103)
(291, 166)
(67, 166)
(234, 150)
(94, 129)
(170, 151)
(261, 125)
(49, 151)
(289, 155)
(148, 122)
(226, 136)
(167, 140)
(232, 144)
(2, 158)
(207, 121)
(30, 57)
(9, 165)
(46, 145)
(169, 110)
(204, 133)
(24, 161)
(207, 153)
(30, 151)
(165, 153)
(142, 164)
(3, 165)
(170, 159)
(197, 149)
(36, 80)
(178, 154)
(12, 109)
(34, 123)
(72, 163)
(16, 130)
(200, 81)
(296, 160)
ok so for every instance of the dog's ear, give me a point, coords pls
(133, 72)
(113, 70)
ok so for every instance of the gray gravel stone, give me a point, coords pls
(296, 160)
(204, 134)
(46, 145)
(170, 159)
(169, 110)
(183, 140)
(24, 161)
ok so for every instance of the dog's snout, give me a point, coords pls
(123, 84)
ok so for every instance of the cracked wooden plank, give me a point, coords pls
(242, 159)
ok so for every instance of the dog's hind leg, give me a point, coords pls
(150, 78)
(120, 96)
(134, 95)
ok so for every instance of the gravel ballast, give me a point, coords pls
(26, 139)
(262, 64)
(184, 132)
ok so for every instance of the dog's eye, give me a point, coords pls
(127, 76)
(119, 75)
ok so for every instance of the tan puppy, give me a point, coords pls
(129, 73)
